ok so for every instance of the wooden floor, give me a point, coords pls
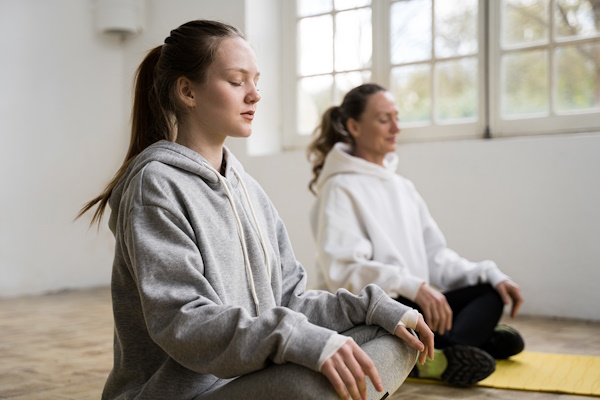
(59, 347)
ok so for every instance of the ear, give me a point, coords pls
(185, 91)
(353, 127)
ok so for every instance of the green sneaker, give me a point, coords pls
(504, 342)
(458, 365)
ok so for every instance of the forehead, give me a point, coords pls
(235, 53)
(381, 102)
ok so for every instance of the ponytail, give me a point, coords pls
(333, 127)
(148, 125)
(328, 133)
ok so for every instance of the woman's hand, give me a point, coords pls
(424, 345)
(508, 291)
(436, 309)
(347, 369)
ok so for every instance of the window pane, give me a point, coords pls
(345, 82)
(411, 86)
(314, 97)
(456, 89)
(313, 7)
(576, 18)
(316, 45)
(525, 83)
(578, 77)
(410, 31)
(353, 43)
(524, 21)
(346, 4)
(455, 28)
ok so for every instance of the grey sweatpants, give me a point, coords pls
(393, 358)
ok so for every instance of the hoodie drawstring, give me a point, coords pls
(241, 232)
(260, 235)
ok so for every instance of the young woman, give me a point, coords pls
(208, 299)
(371, 226)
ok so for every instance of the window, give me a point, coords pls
(545, 66)
(334, 55)
(457, 69)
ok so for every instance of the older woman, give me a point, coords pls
(371, 225)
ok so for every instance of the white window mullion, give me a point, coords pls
(483, 57)
(381, 66)
(551, 66)
(290, 66)
(333, 69)
(433, 66)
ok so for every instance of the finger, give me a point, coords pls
(427, 315)
(430, 346)
(422, 357)
(358, 375)
(449, 316)
(413, 341)
(516, 305)
(348, 379)
(503, 294)
(331, 374)
(409, 338)
(441, 325)
(368, 368)
(435, 319)
(444, 317)
(427, 337)
(440, 321)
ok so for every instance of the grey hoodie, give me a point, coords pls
(205, 285)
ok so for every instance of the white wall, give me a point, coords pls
(61, 114)
(529, 203)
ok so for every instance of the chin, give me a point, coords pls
(243, 134)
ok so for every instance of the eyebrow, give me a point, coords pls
(242, 70)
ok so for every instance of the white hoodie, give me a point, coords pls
(370, 225)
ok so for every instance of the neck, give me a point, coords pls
(212, 150)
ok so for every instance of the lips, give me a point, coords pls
(248, 115)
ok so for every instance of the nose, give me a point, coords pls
(253, 96)
(395, 126)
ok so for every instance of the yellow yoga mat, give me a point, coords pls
(547, 372)
(544, 372)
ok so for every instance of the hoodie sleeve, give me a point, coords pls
(345, 253)
(448, 270)
(340, 311)
(185, 317)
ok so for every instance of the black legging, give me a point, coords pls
(476, 311)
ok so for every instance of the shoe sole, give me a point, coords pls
(467, 365)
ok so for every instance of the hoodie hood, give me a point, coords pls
(175, 155)
(340, 161)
